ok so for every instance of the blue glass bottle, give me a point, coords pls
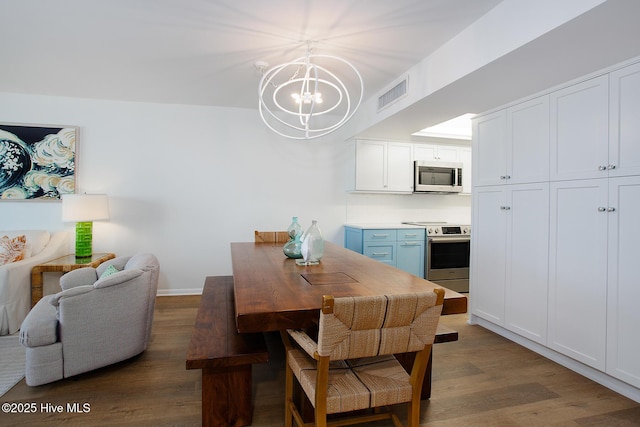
(292, 248)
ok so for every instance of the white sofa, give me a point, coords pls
(15, 277)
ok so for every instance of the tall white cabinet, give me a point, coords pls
(556, 220)
(510, 218)
(623, 290)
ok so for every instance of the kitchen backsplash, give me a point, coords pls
(381, 208)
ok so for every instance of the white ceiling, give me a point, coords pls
(203, 51)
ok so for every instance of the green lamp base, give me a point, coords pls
(84, 236)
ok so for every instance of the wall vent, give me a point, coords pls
(393, 94)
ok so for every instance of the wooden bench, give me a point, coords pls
(224, 356)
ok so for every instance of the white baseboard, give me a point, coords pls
(178, 292)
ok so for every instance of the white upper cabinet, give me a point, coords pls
(580, 130)
(511, 146)
(399, 167)
(443, 153)
(528, 141)
(624, 133)
(387, 166)
(370, 165)
(379, 166)
(490, 149)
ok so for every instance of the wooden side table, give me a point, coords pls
(62, 265)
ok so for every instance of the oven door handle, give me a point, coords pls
(448, 239)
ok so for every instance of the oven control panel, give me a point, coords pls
(449, 230)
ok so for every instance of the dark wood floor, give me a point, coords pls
(480, 380)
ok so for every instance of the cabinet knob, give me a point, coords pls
(602, 168)
(505, 208)
(611, 209)
(503, 177)
(602, 209)
(612, 167)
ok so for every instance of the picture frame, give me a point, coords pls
(37, 162)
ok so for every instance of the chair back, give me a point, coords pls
(355, 327)
(271, 236)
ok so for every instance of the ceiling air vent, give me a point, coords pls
(393, 94)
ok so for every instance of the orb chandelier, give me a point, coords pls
(304, 99)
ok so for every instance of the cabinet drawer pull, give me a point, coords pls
(410, 235)
(411, 244)
(380, 254)
(381, 235)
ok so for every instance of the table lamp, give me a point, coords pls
(83, 209)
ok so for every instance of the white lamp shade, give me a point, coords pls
(84, 207)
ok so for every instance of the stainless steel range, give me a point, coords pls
(447, 255)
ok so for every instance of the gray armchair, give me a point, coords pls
(93, 322)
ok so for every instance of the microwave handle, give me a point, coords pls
(455, 177)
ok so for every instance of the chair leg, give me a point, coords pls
(288, 396)
(413, 414)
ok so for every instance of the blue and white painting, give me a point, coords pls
(37, 162)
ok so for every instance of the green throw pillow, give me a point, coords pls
(109, 271)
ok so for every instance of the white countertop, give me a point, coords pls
(381, 225)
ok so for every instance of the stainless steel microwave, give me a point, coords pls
(437, 177)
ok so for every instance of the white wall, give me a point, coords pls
(185, 181)
(395, 208)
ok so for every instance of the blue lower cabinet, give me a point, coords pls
(410, 257)
(402, 248)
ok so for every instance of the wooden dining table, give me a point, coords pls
(273, 293)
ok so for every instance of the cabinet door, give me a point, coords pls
(410, 256)
(370, 165)
(623, 345)
(425, 152)
(624, 140)
(447, 153)
(578, 270)
(528, 141)
(580, 130)
(489, 149)
(488, 254)
(399, 167)
(528, 262)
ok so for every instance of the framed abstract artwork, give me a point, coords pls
(37, 162)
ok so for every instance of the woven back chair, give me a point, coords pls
(351, 367)
(271, 236)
